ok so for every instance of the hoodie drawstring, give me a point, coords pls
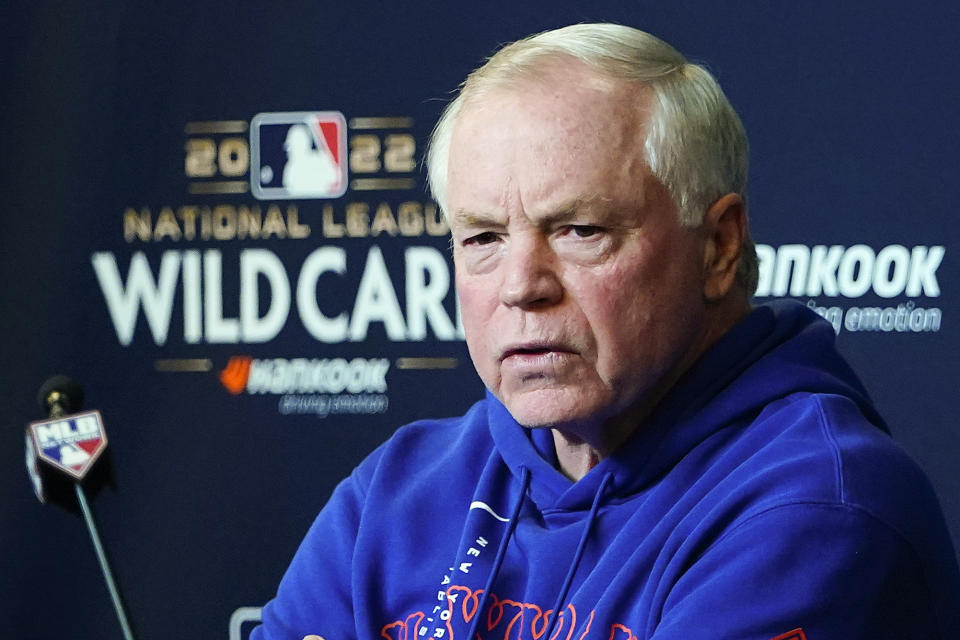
(501, 550)
(578, 554)
(505, 541)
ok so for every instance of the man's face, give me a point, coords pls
(582, 296)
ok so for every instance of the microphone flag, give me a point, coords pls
(70, 443)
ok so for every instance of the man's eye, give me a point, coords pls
(481, 238)
(584, 230)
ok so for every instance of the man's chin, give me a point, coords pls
(546, 408)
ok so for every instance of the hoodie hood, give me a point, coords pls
(779, 349)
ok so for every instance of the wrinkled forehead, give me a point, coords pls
(547, 143)
(579, 100)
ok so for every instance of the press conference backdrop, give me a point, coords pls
(249, 335)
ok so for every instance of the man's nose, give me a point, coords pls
(530, 274)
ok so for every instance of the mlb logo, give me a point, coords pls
(300, 154)
(70, 443)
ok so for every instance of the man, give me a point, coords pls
(654, 458)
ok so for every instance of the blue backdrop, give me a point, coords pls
(248, 344)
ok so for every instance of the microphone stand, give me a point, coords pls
(104, 565)
(56, 411)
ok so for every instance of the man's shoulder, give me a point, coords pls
(811, 469)
(875, 474)
(820, 449)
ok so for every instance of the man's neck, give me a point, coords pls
(580, 447)
(574, 457)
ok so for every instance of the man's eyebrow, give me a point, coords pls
(559, 213)
(473, 218)
(570, 209)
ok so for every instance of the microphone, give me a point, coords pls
(68, 442)
(65, 446)
(60, 395)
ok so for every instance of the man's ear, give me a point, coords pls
(725, 228)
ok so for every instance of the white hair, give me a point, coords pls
(695, 143)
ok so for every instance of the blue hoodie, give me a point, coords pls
(763, 499)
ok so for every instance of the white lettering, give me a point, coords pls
(376, 301)
(902, 318)
(87, 425)
(192, 298)
(795, 259)
(301, 375)
(140, 291)
(253, 264)
(49, 434)
(428, 281)
(261, 310)
(923, 271)
(216, 327)
(823, 270)
(767, 256)
(320, 326)
(855, 273)
(850, 272)
(890, 277)
(67, 431)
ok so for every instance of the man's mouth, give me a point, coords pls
(533, 349)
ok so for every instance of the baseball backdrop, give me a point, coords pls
(216, 220)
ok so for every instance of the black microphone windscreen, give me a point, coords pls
(70, 391)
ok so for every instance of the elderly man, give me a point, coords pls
(654, 457)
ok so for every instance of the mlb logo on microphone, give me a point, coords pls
(300, 154)
(71, 443)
